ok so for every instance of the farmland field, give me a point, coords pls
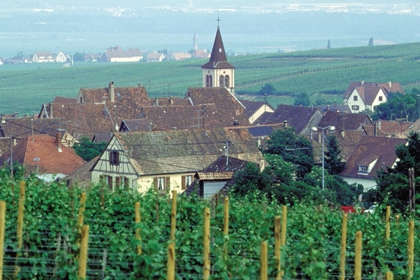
(322, 74)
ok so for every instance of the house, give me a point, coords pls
(118, 54)
(60, 57)
(257, 111)
(180, 55)
(82, 176)
(216, 178)
(168, 160)
(131, 125)
(361, 96)
(45, 156)
(155, 57)
(370, 155)
(39, 57)
(301, 118)
(389, 128)
(218, 72)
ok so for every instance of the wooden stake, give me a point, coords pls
(263, 261)
(277, 249)
(226, 229)
(138, 219)
(389, 276)
(173, 215)
(284, 225)
(388, 225)
(343, 248)
(206, 241)
(171, 262)
(83, 251)
(410, 251)
(19, 231)
(2, 225)
(81, 212)
(358, 257)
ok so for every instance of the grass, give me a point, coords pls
(24, 87)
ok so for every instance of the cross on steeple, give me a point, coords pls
(218, 19)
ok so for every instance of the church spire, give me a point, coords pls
(218, 57)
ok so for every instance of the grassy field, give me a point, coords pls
(323, 74)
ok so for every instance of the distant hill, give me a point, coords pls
(323, 74)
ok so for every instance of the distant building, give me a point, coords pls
(117, 54)
(155, 57)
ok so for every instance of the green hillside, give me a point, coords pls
(323, 74)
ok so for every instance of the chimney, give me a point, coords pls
(362, 83)
(285, 123)
(51, 111)
(171, 101)
(58, 141)
(342, 133)
(157, 102)
(111, 91)
(390, 84)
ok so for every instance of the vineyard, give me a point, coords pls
(57, 232)
(317, 73)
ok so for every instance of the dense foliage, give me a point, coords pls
(87, 149)
(399, 107)
(311, 251)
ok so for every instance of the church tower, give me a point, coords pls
(218, 72)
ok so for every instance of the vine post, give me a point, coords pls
(225, 228)
(263, 261)
(410, 251)
(171, 262)
(358, 257)
(388, 225)
(284, 225)
(397, 220)
(389, 275)
(81, 212)
(343, 248)
(173, 215)
(2, 225)
(138, 219)
(83, 251)
(19, 231)
(277, 250)
(206, 241)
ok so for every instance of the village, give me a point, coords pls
(169, 143)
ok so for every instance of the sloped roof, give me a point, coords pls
(225, 164)
(368, 150)
(119, 52)
(344, 121)
(135, 125)
(64, 100)
(298, 117)
(252, 106)
(100, 137)
(42, 150)
(389, 128)
(123, 95)
(368, 93)
(175, 151)
(387, 87)
(218, 59)
(221, 105)
(23, 127)
(81, 176)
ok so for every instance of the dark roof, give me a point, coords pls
(81, 176)
(261, 130)
(218, 59)
(344, 121)
(174, 151)
(135, 125)
(371, 149)
(64, 100)
(299, 117)
(23, 127)
(100, 137)
(252, 106)
(225, 164)
(386, 87)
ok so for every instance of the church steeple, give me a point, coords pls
(218, 72)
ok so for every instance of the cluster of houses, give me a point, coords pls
(201, 139)
(112, 54)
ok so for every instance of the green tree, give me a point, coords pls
(302, 99)
(250, 180)
(292, 148)
(398, 106)
(333, 161)
(79, 57)
(267, 89)
(87, 150)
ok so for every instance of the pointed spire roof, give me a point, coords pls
(218, 58)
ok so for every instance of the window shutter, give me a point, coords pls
(167, 183)
(183, 183)
(155, 183)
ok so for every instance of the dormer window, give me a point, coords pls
(363, 169)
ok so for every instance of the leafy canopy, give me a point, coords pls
(88, 150)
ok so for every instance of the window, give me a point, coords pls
(221, 81)
(109, 181)
(186, 181)
(355, 98)
(209, 81)
(380, 98)
(363, 169)
(227, 81)
(121, 182)
(355, 107)
(162, 183)
(114, 157)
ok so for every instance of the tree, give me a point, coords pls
(79, 57)
(293, 148)
(393, 182)
(87, 150)
(333, 161)
(328, 44)
(398, 106)
(370, 42)
(250, 180)
(267, 89)
(302, 99)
